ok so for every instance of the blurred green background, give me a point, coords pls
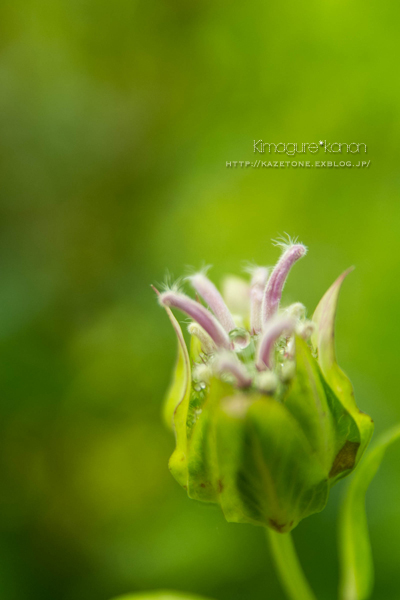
(116, 119)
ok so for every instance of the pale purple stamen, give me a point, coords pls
(198, 313)
(271, 333)
(274, 287)
(258, 282)
(211, 295)
(227, 363)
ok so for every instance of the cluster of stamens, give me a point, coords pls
(257, 353)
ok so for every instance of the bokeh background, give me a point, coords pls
(116, 119)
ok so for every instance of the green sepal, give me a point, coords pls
(268, 472)
(307, 401)
(329, 427)
(324, 343)
(181, 380)
(203, 471)
(176, 405)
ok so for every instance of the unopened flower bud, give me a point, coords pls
(296, 310)
(267, 382)
(266, 428)
(305, 329)
(201, 373)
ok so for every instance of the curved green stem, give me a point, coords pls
(288, 566)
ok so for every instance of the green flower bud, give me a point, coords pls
(265, 421)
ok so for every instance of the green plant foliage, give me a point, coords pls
(357, 569)
(160, 595)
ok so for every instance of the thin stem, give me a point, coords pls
(288, 566)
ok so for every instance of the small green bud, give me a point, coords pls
(265, 421)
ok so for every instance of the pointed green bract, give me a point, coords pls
(307, 401)
(357, 571)
(176, 405)
(181, 381)
(324, 341)
(329, 427)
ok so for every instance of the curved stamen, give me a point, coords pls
(198, 313)
(258, 282)
(211, 295)
(272, 332)
(274, 287)
(226, 363)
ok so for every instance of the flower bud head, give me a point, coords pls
(201, 374)
(267, 382)
(296, 310)
(265, 421)
(305, 329)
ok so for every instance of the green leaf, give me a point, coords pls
(324, 342)
(357, 571)
(176, 405)
(160, 595)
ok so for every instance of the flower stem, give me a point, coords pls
(288, 566)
